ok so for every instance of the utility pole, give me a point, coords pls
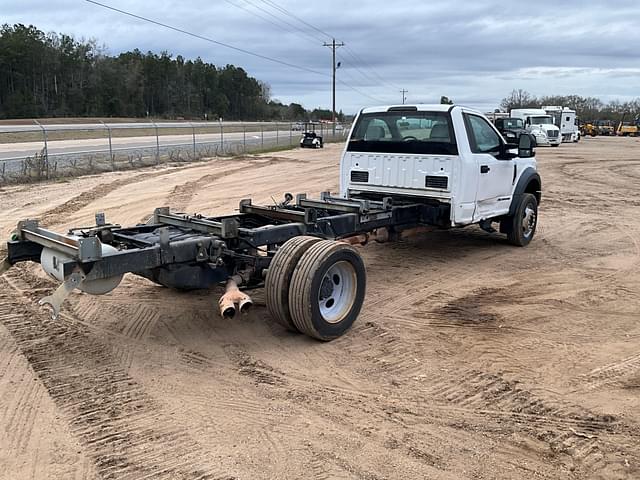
(333, 45)
(404, 95)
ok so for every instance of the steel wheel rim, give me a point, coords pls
(528, 221)
(338, 291)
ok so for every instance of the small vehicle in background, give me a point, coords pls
(510, 128)
(310, 139)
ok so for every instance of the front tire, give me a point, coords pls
(327, 290)
(521, 226)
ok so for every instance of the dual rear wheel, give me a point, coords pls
(316, 287)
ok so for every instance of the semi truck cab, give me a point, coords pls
(540, 124)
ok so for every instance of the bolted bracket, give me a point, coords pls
(101, 220)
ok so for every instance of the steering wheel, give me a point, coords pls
(409, 138)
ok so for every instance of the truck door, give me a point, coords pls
(495, 177)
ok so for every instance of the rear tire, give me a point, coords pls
(521, 227)
(327, 290)
(279, 278)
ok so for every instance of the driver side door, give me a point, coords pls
(495, 176)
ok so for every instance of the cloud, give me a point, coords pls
(474, 52)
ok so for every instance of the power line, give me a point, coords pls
(348, 50)
(226, 45)
(287, 12)
(207, 39)
(289, 24)
(351, 87)
(357, 58)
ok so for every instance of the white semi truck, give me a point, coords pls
(565, 119)
(540, 124)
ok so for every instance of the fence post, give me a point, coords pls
(193, 131)
(290, 133)
(262, 136)
(111, 157)
(46, 146)
(277, 134)
(157, 144)
(221, 137)
(244, 137)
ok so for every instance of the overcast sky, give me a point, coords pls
(475, 52)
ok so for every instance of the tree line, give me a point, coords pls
(588, 108)
(55, 75)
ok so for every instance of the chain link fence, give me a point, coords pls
(38, 152)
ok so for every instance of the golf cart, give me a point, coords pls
(310, 139)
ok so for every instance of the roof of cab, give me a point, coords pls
(419, 107)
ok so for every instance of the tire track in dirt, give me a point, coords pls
(59, 213)
(589, 438)
(564, 427)
(623, 373)
(181, 195)
(21, 404)
(120, 426)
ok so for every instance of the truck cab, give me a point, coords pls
(450, 158)
(565, 119)
(540, 124)
(510, 128)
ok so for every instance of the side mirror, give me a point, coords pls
(526, 146)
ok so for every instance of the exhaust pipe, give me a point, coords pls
(231, 297)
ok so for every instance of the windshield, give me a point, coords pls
(404, 132)
(541, 120)
(513, 123)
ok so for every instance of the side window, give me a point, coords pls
(482, 138)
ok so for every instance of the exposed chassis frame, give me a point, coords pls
(195, 251)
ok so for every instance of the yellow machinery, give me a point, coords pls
(588, 129)
(605, 127)
(627, 129)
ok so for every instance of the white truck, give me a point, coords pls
(565, 119)
(540, 124)
(404, 168)
(451, 159)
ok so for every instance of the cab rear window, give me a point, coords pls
(404, 132)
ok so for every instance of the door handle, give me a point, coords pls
(484, 169)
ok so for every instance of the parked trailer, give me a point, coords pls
(462, 172)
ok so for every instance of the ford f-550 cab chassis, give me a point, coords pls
(301, 250)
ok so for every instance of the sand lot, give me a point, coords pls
(472, 359)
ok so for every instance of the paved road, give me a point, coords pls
(20, 150)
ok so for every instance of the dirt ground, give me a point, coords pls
(471, 359)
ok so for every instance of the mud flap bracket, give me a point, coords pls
(62, 292)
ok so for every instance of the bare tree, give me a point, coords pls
(518, 99)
